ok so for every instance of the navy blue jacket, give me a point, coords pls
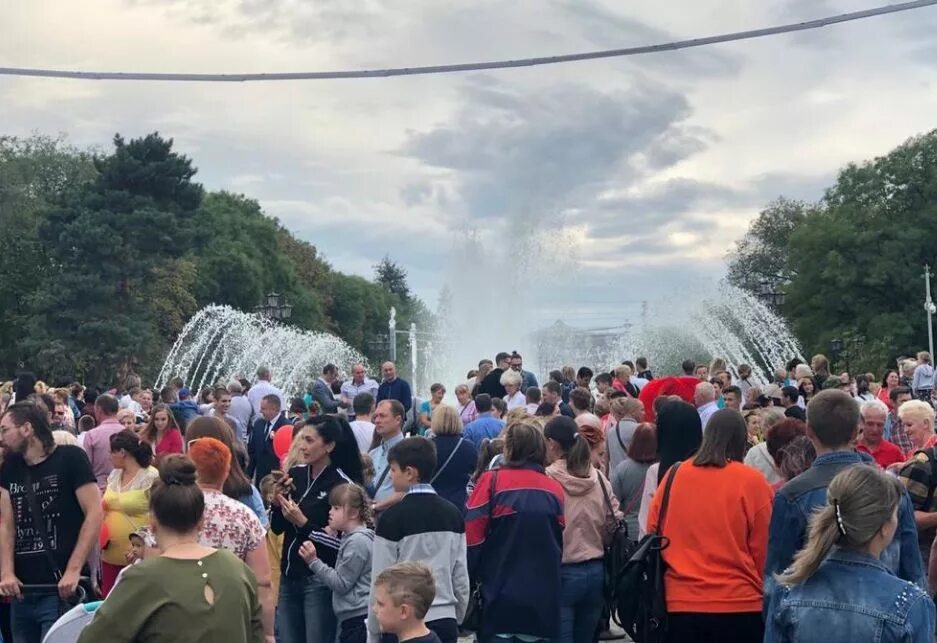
(450, 480)
(515, 548)
(322, 394)
(398, 390)
(263, 459)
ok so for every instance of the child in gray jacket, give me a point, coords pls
(350, 581)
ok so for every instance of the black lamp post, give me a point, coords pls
(275, 307)
(769, 296)
(836, 348)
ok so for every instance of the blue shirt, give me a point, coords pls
(486, 426)
(379, 457)
(796, 501)
(851, 597)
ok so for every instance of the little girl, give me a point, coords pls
(350, 581)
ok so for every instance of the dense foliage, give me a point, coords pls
(105, 257)
(852, 265)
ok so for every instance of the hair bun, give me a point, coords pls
(178, 470)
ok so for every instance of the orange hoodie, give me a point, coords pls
(717, 523)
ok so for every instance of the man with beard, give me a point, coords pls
(51, 548)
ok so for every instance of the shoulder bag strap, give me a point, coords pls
(40, 526)
(666, 499)
(491, 498)
(448, 460)
(380, 480)
(618, 435)
(608, 500)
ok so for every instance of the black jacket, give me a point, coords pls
(263, 460)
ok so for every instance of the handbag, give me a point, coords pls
(640, 603)
(476, 607)
(618, 550)
(85, 590)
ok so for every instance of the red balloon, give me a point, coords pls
(282, 440)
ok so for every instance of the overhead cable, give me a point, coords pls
(466, 67)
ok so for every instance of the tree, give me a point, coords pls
(393, 277)
(762, 254)
(857, 260)
(94, 314)
(35, 174)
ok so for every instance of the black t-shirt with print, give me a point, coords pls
(55, 481)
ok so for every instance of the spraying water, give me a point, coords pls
(220, 342)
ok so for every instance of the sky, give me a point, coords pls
(596, 184)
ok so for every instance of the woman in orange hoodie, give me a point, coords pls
(717, 522)
(590, 509)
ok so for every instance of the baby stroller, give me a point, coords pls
(69, 626)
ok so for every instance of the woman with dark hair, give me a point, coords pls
(298, 411)
(237, 485)
(514, 533)
(126, 502)
(329, 456)
(891, 380)
(716, 556)
(679, 435)
(590, 509)
(629, 476)
(229, 524)
(162, 432)
(188, 593)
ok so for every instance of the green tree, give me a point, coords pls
(94, 314)
(393, 277)
(762, 254)
(857, 260)
(35, 174)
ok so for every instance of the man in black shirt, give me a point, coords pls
(492, 382)
(57, 483)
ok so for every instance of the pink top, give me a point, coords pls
(97, 445)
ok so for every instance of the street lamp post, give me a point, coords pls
(930, 309)
(769, 296)
(275, 307)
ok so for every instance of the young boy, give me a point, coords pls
(402, 596)
(423, 527)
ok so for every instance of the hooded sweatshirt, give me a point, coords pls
(923, 377)
(350, 581)
(589, 524)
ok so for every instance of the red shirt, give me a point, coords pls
(886, 453)
(171, 443)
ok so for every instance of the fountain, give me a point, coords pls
(220, 342)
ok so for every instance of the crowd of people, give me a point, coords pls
(796, 509)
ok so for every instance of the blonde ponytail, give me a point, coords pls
(860, 500)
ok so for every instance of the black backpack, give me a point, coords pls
(639, 601)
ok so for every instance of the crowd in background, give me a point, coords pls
(241, 511)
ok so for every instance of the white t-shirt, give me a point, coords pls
(364, 433)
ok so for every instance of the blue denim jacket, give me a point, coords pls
(796, 501)
(852, 597)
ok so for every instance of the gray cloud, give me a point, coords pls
(512, 152)
(610, 30)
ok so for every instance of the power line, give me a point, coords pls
(478, 66)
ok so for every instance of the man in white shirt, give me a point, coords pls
(360, 383)
(262, 389)
(705, 398)
(362, 427)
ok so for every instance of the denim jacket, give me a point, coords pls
(796, 501)
(852, 597)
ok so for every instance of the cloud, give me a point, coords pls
(608, 29)
(510, 153)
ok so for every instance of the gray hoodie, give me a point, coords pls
(350, 581)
